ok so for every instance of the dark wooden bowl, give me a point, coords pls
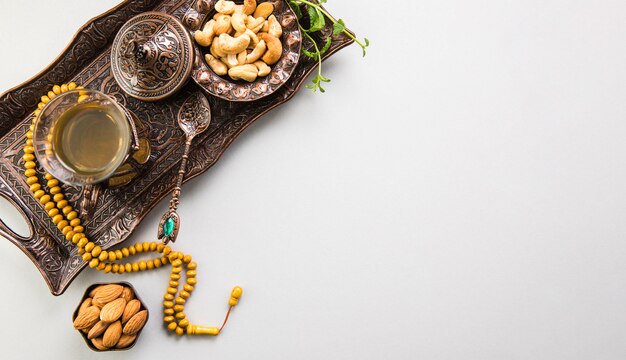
(86, 295)
(226, 88)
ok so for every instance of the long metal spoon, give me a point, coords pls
(194, 118)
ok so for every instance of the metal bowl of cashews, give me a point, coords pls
(246, 49)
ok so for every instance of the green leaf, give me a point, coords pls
(296, 9)
(324, 49)
(338, 27)
(310, 54)
(318, 21)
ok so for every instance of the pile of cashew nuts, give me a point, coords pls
(243, 40)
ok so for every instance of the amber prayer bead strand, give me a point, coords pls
(67, 221)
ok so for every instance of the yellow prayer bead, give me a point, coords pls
(30, 172)
(38, 194)
(78, 228)
(192, 266)
(150, 264)
(153, 246)
(71, 86)
(179, 308)
(30, 165)
(80, 251)
(64, 88)
(237, 292)
(168, 297)
(55, 190)
(121, 269)
(160, 247)
(89, 247)
(232, 301)
(34, 187)
(187, 259)
(53, 212)
(157, 263)
(66, 230)
(96, 251)
(179, 301)
(107, 268)
(104, 256)
(167, 250)
(177, 269)
(75, 222)
(112, 256)
(142, 265)
(169, 312)
(51, 95)
(128, 267)
(62, 224)
(172, 326)
(56, 89)
(119, 255)
(192, 281)
(93, 263)
(181, 315)
(49, 206)
(184, 294)
(82, 242)
(180, 331)
(174, 283)
(115, 268)
(73, 215)
(29, 150)
(125, 252)
(171, 290)
(168, 319)
(87, 256)
(100, 266)
(58, 197)
(57, 219)
(146, 246)
(53, 183)
(191, 273)
(164, 260)
(44, 199)
(135, 267)
(174, 276)
(62, 204)
(188, 288)
(45, 99)
(132, 250)
(183, 323)
(177, 263)
(138, 248)
(69, 235)
(168, 304)
(28, 157)
(66, 210)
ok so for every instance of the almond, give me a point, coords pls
(86, 303)
(113, 310)
(136, 322)
(130, 310)
(87, 318)
(106, 294)
(126, 341)
(97, 329)
(94, 290)
(112, 334)
(128, 294)
(97, 343)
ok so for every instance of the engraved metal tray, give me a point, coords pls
(119, 210)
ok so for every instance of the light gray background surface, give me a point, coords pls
(460, 193)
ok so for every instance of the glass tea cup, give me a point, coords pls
(82, 136)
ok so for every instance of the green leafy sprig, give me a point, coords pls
(317, 21)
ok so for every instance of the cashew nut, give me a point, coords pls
(256, 54)
(249, 6)
(231, 45)
(274, 48)
(216, 65)
(247, 72)
(239, 22)
(205, 37)
(266, 27)
(274, 27)
(241, 57)
(231, 60)
(254, 39)
(216, 50)
(222, 25)
(255, 24)
(264, 70)
(225, 7)
(264, 10)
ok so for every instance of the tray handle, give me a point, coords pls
(6, 231)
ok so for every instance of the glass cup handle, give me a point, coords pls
(129, 118)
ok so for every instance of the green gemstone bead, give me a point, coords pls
(168, 227)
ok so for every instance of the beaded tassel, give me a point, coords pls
(66, 219)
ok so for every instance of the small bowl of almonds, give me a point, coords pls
(246, 49)
(110, 317)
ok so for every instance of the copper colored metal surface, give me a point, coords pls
(119, 210)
